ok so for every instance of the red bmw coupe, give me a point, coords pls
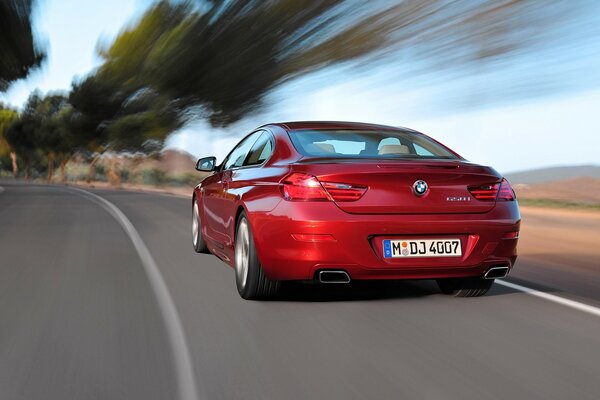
(338, 201)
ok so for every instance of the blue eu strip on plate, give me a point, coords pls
(387, 248)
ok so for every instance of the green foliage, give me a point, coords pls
(154, 176)
(115, 107)
(18, 51)
(7, 117)
(21, 136)
(159, 177)
(188, 179)
(101, 170)
(43, 130)
(226, 60)
(221, 58)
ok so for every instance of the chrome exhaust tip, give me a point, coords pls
(333, 277)
(499, 271)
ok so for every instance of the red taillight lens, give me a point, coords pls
(485, 192)
(495, 191)
(303, 187)
(506, 192)
(344, 191)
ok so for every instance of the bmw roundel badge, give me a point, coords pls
(420, 187)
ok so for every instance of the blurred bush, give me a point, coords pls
(154, 176)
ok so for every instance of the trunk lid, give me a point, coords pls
(390, 184)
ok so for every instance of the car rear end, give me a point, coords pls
(364, 213)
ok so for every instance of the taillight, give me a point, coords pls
(506, 192)
(344, 191)
(495, 191)
(303, 187)
(485, 192)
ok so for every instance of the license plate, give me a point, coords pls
(421, 248)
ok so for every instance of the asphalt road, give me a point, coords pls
(82, 317)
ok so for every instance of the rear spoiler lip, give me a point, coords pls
(376, 160)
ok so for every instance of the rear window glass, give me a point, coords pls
(367, 144)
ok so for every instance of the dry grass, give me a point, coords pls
(571, 192)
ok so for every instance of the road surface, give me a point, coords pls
(82, 316)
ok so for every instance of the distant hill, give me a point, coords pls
(576, 190)
(554, 174)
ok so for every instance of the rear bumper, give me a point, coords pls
(355, 247)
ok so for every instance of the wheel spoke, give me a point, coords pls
(242, 253)
(195, 225)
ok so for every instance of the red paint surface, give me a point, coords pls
(388, 209)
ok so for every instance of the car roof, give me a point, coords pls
(296, 125)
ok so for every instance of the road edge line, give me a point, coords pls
(553, 298)
(184, 370)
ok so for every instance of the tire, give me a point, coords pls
(465, 287)
(250, 279)
(197, 239)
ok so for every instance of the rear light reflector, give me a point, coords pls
(511, 235)
(304, 187)
(308, 237)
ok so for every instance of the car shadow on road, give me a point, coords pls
(367, 290)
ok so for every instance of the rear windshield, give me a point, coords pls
(367, 144)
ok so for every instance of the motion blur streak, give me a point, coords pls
(183, 364)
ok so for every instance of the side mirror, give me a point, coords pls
(206, 164)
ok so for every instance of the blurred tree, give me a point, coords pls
(23, 133)
(54, 134)
(69, 142)
(119, 118)
(7, 117)
(219, 59)
(226, 60)
(45, 127)
(18, 51)
(116, 108)
(21, 136)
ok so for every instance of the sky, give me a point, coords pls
(71, 29)
(562, 127)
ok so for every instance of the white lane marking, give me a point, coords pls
(183, 364)
(553, 298)
(1, 189)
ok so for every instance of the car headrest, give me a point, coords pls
(394, 149)
(320, 148)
